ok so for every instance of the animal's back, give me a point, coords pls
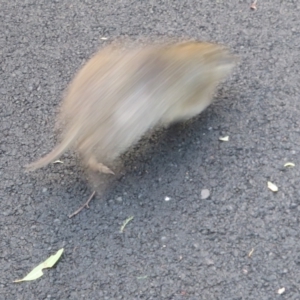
(122, 92)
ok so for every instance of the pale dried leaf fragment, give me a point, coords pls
(37, 272)
(205, 193)
(281, 291)
(224, 138)
(251, 252)
(272, 186)
(253, 5)
(125, 223)
(58, 162)
(289, 164)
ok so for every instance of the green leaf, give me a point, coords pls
(125, 223)
(37, 271)
(289, 164)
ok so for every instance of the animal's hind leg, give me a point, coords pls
(85, 148)
(94, 165)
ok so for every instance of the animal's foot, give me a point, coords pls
(99, 167)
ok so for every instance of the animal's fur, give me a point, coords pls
(123, 92)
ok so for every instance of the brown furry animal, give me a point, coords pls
(121, 93)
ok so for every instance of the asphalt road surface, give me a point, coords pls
(242, 241)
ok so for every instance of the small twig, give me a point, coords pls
(253, 5)
(86, 204)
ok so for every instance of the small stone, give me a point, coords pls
(163, 239)
(13, 152)
(196, 245)
(119, 199)
(205, 193)
(209, 262)
(3, 91)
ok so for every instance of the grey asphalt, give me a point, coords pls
(242, 242)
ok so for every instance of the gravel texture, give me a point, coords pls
(241, 242)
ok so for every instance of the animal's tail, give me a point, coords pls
(54, 154)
